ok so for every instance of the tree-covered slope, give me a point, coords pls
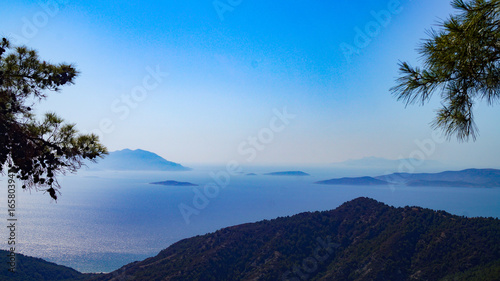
(361, 240)
(36, 269)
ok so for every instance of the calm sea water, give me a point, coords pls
(104, 220)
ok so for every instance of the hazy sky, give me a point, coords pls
(252, 81)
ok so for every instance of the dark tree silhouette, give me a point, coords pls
(36, 151)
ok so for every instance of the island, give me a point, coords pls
(354, 181)
(288, 173)
(174, 183)
(442, 183)
(251, 174)
(464, 178)
(134, 160)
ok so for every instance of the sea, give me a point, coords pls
(103, 220)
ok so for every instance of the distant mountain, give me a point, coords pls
(288, 173)
(360, 240)
(478, 177)
(442, 183)
(465, 178)
(174, 183)
(354, 181)
(135, 160)
(378, 163)
(35, 269)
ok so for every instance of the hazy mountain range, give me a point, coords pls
(135, 160)
(464, 178)
(377, 163)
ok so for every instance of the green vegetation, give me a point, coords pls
(36, 151)
(487, 272)
(361, 240)
(31, 269)
(461, 61)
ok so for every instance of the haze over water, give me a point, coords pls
(104, 220)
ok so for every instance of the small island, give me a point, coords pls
(288, 173)
(251, 174)
(174, 183)
(354, 181)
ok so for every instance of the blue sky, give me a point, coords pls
(197, 81)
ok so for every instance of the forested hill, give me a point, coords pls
(360, 240)
(36, 269)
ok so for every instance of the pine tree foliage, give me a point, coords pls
(462, 62)
(37, 150)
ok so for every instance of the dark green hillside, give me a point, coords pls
(361, 240)
(35, 269)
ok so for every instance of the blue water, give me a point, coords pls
(104, 220)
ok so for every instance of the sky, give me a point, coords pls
(257, 82)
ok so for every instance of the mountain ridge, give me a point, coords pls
(362, 239)
(463, 178)
(31, 268)
(474, 176)
(381, 163)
